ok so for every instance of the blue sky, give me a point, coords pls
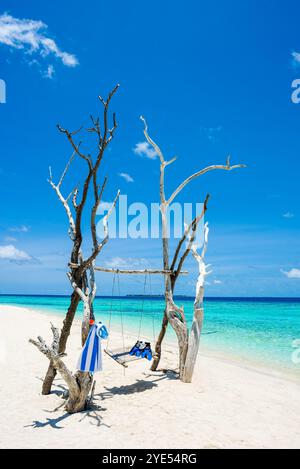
(212, 78)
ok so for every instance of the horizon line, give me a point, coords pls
(159, 296)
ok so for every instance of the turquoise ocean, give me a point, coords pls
(252, 331)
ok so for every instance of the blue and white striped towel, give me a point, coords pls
(90, 359)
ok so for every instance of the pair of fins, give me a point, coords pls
(142, 349)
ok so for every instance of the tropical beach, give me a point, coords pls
(228, 405)
(149, 229)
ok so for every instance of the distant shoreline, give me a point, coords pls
(161, 297)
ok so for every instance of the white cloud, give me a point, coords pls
(11, 253)
(127, 177)
(211, 132)
(217, 282)
(19, 229)
(293, 273)
(50, 72)
(30, 36)
(126, 263)
(288, 215)
(10, 239)
(296, 58)
(144, 149)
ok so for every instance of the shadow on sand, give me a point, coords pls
(95, 411)
(141, 385)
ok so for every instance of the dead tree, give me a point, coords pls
(83, 284)
(81, 383)
(173, 314)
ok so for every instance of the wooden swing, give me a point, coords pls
(122, 355)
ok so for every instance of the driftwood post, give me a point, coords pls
(195, 332)
(81, 277)
(173, 314)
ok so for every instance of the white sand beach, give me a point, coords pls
(227, 405)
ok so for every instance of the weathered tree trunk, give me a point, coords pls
(79, 385)
(78, 399)
(65, 332)
(159, 340)
(182, 338)
(195, 333)
(193, 346)
(177, 320)
(162, 332)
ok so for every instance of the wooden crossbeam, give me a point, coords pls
(131, 271)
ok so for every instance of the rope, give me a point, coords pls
(153, 318)
(121, 315)
(111, 306)
(142, 308)
(116, 285)
(121, 311)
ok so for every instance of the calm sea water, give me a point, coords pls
(253, 331)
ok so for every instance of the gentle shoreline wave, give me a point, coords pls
(254, 332)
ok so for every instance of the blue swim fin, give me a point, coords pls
(147, 352)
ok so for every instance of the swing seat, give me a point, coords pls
(121, 356)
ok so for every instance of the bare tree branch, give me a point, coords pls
(226, 167)
(194, 224)
(195, 332)
(87, 262)
(66, 169)
(96, 129)
(163, 162)
(55, 341)
(106, 217)
(74, 198)
(52, 355)
(74, 146)
(105, 123)
(203, 272)
(151, 142)
(72, 230)
(98, 197)
(92, 283)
